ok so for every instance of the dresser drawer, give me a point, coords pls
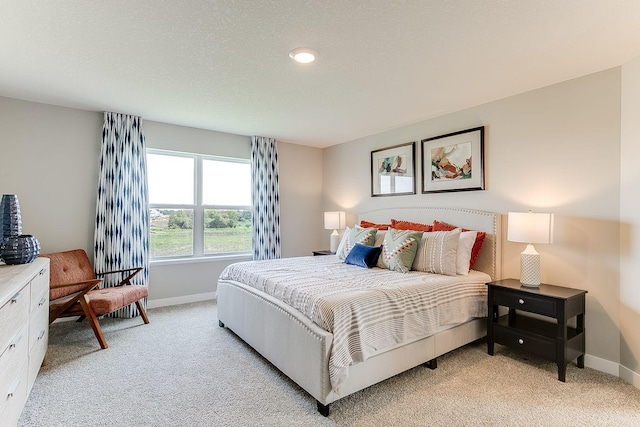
(529, 303)
(531, 343)
(40, 289)
(14, 356)
(13, 315)
(38, 325)
(13, 396)
(36, 357)
(13, 381)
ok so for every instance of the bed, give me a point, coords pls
(305, 352)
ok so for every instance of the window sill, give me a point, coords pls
(194, 260)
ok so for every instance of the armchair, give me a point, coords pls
(74, 290)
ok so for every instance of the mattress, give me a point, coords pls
(368, 311)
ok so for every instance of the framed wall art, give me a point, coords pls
(453, 162)
(393, 170)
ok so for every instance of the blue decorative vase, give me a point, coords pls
(21, 249)
(10, 221)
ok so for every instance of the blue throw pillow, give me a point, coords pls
(363, 256)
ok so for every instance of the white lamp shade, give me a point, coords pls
(335, 220)
(529, 227)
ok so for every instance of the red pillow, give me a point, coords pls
(367, 224)
(477, 245)
(408, 225)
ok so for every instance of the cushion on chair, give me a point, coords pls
(106, 300)
(68, 267)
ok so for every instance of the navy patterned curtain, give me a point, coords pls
(121, 238)
(265, 238)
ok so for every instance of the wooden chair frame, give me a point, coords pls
(76, 303)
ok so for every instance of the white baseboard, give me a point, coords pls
(602, 365)
(164, 302)
(612, 368)
(629, 376)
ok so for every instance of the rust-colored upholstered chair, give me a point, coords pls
(74, 290)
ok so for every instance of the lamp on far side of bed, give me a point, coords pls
(530, 228)
(335, 221)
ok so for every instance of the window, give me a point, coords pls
(198, 205)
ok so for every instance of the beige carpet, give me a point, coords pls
(183, 370)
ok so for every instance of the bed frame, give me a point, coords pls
(301, 349)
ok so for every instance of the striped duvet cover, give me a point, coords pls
(368, 311)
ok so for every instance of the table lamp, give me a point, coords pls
(335, 221)
(530, 228)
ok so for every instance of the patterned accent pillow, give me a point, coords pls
(399, 249)
(437, 252)
(475, 251)
(364, 236)
(408, 225)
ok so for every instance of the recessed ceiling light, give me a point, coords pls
(303, 55)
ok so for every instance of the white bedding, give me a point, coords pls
(368, 311)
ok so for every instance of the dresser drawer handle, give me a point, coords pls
(42, 272)
(520, 341)
(521, 301)
(15, 341)
(41, 334)
(42, 301)
(14, 387)
(17, 297)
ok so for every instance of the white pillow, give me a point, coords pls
(380, 237)
(437, 252)
(465, 244)
(343, 240)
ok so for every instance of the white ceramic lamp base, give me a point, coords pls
(530, 267)
(335, 241)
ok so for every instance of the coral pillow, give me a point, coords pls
(408, 225)
(475, 251)
(367, 224)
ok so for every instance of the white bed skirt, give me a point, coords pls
(301, 349)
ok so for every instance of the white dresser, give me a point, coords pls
(24, 333)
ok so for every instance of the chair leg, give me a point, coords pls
(93, 321)
(142, 312)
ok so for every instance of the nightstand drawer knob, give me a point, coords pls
(521, 301)
(520, 341)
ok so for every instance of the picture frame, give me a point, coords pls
(453, 162)
(393, 170)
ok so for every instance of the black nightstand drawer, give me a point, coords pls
(547, 334)
(526, 302)
(517, 339)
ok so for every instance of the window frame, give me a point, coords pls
(198, 207)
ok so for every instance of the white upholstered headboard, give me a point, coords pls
(490, 258)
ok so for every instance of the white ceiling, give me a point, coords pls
(224, 65)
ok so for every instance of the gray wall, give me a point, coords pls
(49, 157)
(570, 149)
(556, 149)
(630, 224)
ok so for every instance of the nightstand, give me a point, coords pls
(318, 253)
(547, 335)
